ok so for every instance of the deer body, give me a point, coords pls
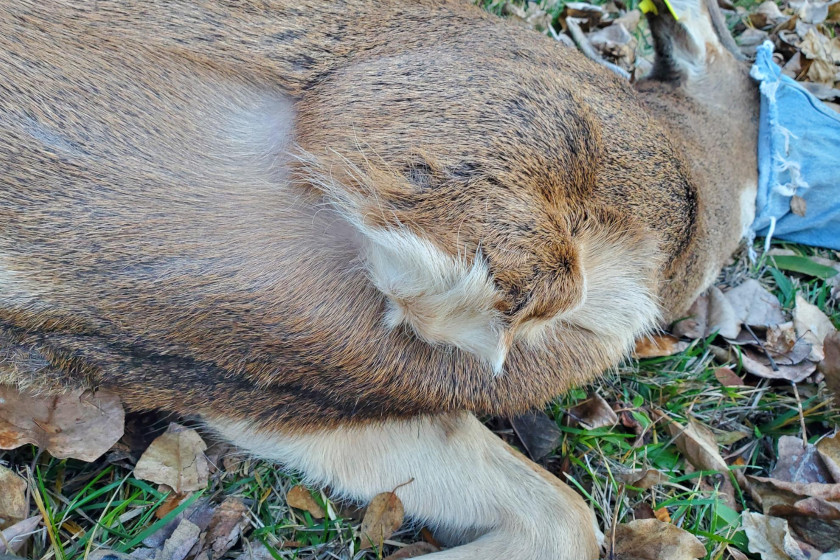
(318, 223)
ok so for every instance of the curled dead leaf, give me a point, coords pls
(770, 537)
(697, 443)
(651, 539)
(594, 413)
(77, 425)
(227, 525)
(812, 325)
(658, 345)
(175, 458)
(383, 517)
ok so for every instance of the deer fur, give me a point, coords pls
(316, 224)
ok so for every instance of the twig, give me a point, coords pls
(801, 415)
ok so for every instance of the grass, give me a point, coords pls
(88, 506)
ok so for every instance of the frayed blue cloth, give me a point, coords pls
(798, 154)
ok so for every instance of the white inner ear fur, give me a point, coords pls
(443, 299)
(698, 26)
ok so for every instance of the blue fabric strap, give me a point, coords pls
(798, 154)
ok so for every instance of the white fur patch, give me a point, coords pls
(444, 299)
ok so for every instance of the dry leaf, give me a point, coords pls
(537, 432)
(594, 413)
(643, 479)
(811, 509)
(694, 324)
(78, 425)
(16, 535)
(175, 458)
(800, 463)
(798, 205)
(658, 345)
(12, 498)
(383, 517)
(299, 497)
(663, 515)
(758, 364)
(830, 366)
(722, 318)
(812, 325)
(754, 306)
(413, 551)
(767, 14)
(781, 338)
(228, 524)
(770, 537)
(728, 378)
(697, 443)
(179, 545)
(810, 11)
(829, 449)
(651, 539)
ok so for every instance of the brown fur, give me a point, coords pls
(141, 251)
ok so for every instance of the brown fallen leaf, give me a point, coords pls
(829, 449)
(758, 364)
(77, 425)
(812, 325)
(537, 432)
(800, 463)
(781, 338)
(722, 317)
(663, 515)
(770, 537)
(798, 205)
(179, 545)
(651, 539)
(383, 517)
(228, 524)
(830, 366)
(767, 14)
(12, 498)
(299, 497)
(697, 443)
(695, 322)
(754, 306)
(811, 509)
(413, 550)
(728, 378)
(175, 458)
(15, 536)
(658, 345)
(645, 479)
(593, 413)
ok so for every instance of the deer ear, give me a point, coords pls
(443, 299)
(685, 32)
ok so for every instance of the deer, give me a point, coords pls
(338, 233)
